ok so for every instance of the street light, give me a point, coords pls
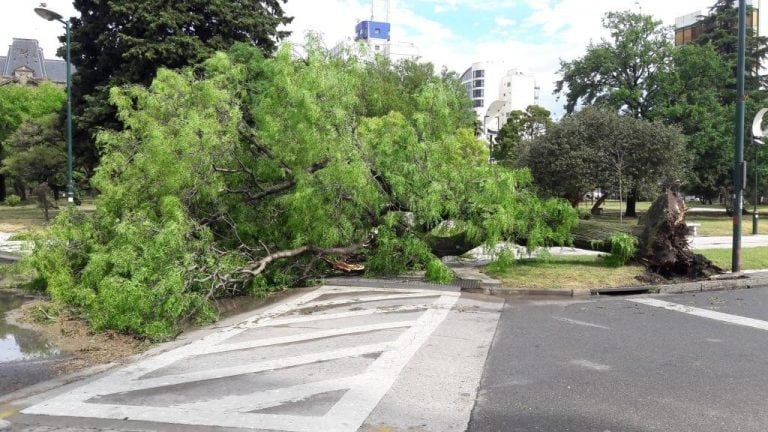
(757, 139)
(50, 15)
(489, 137)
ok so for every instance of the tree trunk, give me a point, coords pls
(2, 187)
(598, 203)
(631, 204)
(590, 234)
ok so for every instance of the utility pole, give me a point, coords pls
(739, 171)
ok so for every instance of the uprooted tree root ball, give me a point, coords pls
(663, 243)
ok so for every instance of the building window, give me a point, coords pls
(479, 83)
(477, 93)
(478, 103)
(479, 73)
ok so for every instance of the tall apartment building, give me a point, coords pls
(689, 27)
(496, 89)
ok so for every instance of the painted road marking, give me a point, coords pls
(704, 313)
(362, 391)
(581, 323)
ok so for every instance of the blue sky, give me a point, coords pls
(532, 35)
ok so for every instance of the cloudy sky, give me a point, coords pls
(529, 34)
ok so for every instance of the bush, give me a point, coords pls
(438, 272)
(623, 248)
(12, 200)
(504, 260)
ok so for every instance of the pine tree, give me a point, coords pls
(125, 42)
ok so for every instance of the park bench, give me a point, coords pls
(693, 228)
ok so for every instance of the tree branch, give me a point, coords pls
(254, 268)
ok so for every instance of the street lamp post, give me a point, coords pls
(50, 15)
(757, 139)
(489, 137)
(739, 167)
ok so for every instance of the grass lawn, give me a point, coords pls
(568, 272)
(751, 258)
(712, 224)
(29, 216)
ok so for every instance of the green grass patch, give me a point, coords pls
(30, 216)
(751, 258)
(568, 272)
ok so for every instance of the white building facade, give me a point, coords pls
(496, 89)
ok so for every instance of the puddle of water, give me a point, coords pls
(19, 344)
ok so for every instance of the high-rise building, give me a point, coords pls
(688, 27)
(376, 34)
(496, 89)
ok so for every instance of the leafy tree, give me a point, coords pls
(622, 72)
(19, 103)
(36, 155)
(720, 29)
(520, 127)
(697, 88)
(598, 148)
(248, 173)
(118, 42)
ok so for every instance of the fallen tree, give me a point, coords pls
(249, 174)
(595, 235)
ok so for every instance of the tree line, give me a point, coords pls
(665, 113)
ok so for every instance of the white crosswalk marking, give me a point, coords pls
(371, 327)
(704, 313)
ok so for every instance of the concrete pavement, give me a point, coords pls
(333, 359)
(726, 242)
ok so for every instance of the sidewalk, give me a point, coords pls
(726, 242)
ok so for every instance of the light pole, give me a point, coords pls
(50, 15)
(739, 168)
(489, 137)
(757, 139)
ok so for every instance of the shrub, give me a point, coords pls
(12, 200)
(438, 272)
(623, 248)
(504, 260)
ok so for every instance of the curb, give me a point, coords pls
(489, 286)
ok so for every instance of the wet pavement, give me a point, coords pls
(25, 357)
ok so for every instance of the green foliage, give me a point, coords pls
(12, 200)
(36, 153)
(596, 148)
(24, 103)
(521, 127)
(438, 272)
(394, 254)
(623, 248)
(117, 43)
(19, 103)
(623, 72)
(505, 259)
(247, 173)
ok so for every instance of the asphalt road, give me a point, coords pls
(696, 362)
(418, 359)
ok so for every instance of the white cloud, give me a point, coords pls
(505, 22)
